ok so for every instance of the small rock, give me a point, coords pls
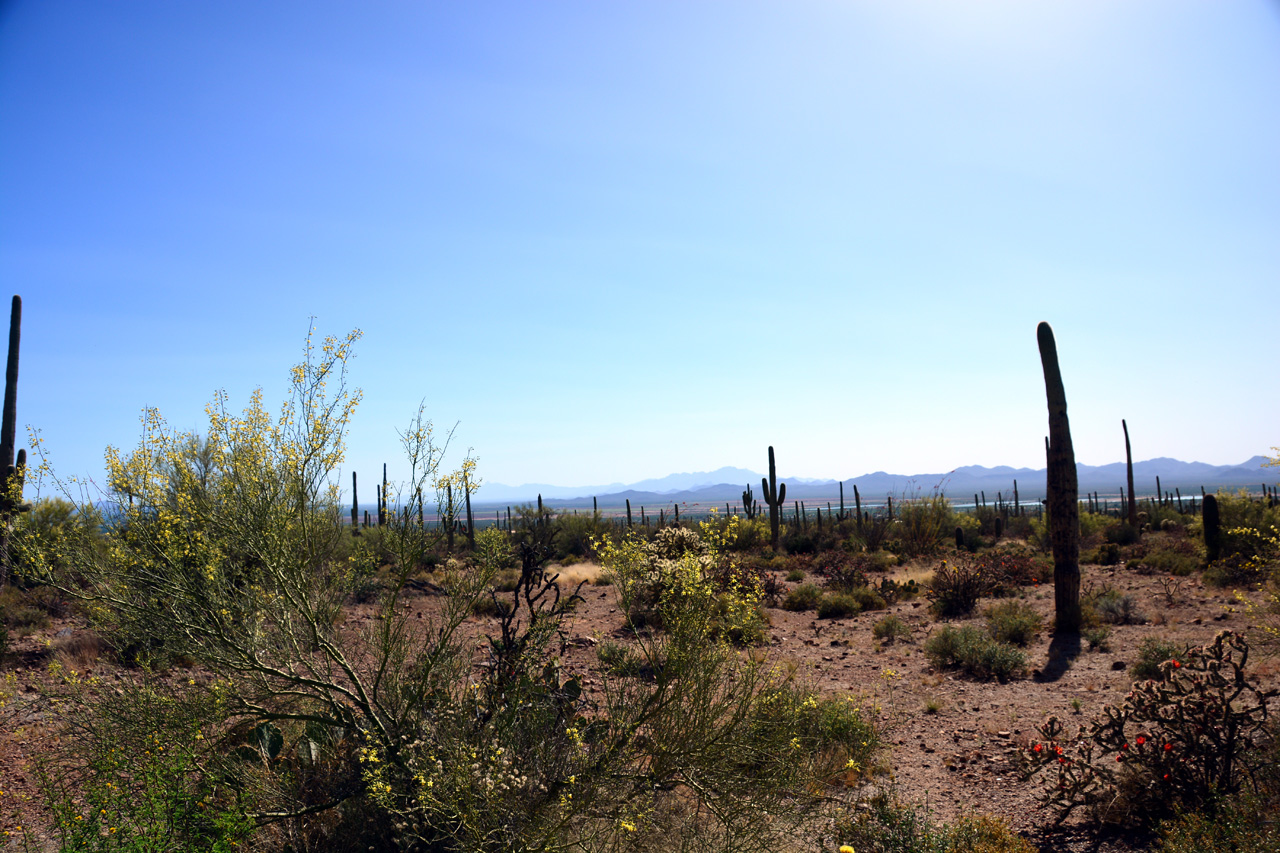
(1118, 665)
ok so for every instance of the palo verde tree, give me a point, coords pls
(386, 731)
(1063, 491)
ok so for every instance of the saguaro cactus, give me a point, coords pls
(355, 508)
(749, 503)
(11, 474)
(1063, 491)
(1212, 528)
(774, 495)
(1128, 461)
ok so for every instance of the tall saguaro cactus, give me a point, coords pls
(1063, 491)
(774, 495)
(355, 508)
(1128, 461)
(11, 475)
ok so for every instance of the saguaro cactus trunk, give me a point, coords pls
(774, 495)
(11, 474)
(355, 508)
(1128, 461)
(1063, 491)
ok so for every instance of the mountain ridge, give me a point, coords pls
(727, 483)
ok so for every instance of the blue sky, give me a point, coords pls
(617, 240)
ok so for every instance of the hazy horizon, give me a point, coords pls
(620, 240)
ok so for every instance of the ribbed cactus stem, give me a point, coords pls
(774, 495)
(1063, 491)
(1128, 463)
(1212, 528)
(10, 474)
(355, 510)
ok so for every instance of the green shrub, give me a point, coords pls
(1241, 824)
(147, 768)
(884, 824)
(1107, 554)
(868, 598)
(493, 551)
(972, 650)
(1152, 652)
(804, 597)
(922, 524)
(1013, 622)
(791, 724)
(890, 628)
(1121, 533)
(838, 605)
(1098, 637)
(1114, 608)
(795, 576)
(1181, 742)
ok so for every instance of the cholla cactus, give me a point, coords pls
(1173, 743)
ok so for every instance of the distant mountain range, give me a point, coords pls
(727, 484)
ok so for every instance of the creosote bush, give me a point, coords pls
(971, 649)
(890, 629)
(1013, 622)
(804, 597)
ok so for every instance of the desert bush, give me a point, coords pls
(922, 524)
(493, 551)
(574, 534)
(872, 534)
(882, 823)
(1176, 555)
(1181, 742)
(842, 572)
(1242, 824)
(799, 541)
(890, 629)
(804, 597)
(1111, 606)
(795, 576)
(1098, 637)
(830, 732)
(140, 769)
(838, 605)
(20, 613)
(957, 585)
(1013, 622)
(868, 598)
(1153, 652)
(973, 650)
(1121, 533)
(1106, 554)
